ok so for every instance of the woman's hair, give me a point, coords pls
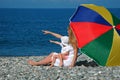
(72, 38)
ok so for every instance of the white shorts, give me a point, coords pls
(66, 62)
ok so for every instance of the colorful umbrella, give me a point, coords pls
(98, 33)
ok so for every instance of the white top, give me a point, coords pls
(67, 48)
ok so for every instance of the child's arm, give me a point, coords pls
(66, 53)
(53, 61)
(61, 60)
(52, 33)
(56, 42)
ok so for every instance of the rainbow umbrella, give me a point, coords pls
(98, 33)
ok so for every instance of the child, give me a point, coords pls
(58, 59)
(64, 54)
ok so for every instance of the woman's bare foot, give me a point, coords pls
(33, 63)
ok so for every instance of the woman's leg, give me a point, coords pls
(44, 61)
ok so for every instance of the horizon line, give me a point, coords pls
(41, 8)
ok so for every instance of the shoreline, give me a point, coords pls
(16, 68)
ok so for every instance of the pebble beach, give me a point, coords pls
(16, 68)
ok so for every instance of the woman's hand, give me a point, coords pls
(46, 32)
(52, 33)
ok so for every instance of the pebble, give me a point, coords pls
(16, 68)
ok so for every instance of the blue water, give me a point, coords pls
(20, 30)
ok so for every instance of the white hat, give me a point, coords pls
(65, 40)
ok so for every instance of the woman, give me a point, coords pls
(73, 42)
(48, 59)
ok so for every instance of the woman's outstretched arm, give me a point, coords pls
(52, 33)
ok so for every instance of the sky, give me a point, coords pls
(56, 3)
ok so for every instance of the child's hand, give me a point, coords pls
(51, 41)
(56, 42)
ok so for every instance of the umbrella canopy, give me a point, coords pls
(98, 33)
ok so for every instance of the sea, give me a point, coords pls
(21, 29)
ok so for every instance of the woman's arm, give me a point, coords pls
(75, 57)
(52, 33)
